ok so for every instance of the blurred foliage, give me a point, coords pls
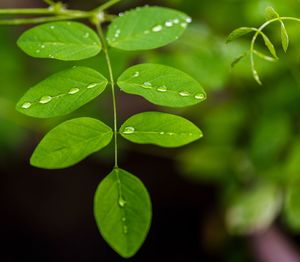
(251, 148)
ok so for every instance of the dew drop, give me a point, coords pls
(157, 28)
(51, 56)
(121, 14)
(123, 219)
(128, 130)
(43, 46)
(38, 51)
(176, 21)
(52, 27)
(73, 91)
(45, 99)
(184, 93)
(147, 84)
(169, 24)
(170, 133)
(184, 25)
(86, 35)
(161, 133)
(146, 32)
(136, 74)
(188, 20)
(199, 96)
(162, 89)
(26, 105)
(92, 85)
(121, 202)
(125, 230)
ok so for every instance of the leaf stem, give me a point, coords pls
(105, 6)
(112, 82)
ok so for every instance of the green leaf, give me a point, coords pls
(160, 129)
(292, 207)
(253, 210)
(162, 85)
(66, 41)
(237, 60)
(284, 37)
(122, 209)
(271, 13)
(263, 56)
(269, 45)
(237, 33)
(71, 142)
(62, 93)
(147, 28)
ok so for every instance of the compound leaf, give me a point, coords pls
(71, 142)
(162, 85)
(160, 129)
(237, 33)
(62, 93)
(66, 41)
(122, 209)
(147, 28)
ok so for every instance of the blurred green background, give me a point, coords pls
(232, 196)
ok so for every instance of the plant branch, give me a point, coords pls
(259, 31)
(112, 83)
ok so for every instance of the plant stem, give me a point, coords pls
(106, 6)
(37, 20)
(259, 31)
(112, 83)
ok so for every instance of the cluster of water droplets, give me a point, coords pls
(163, 89)
(47, 98)
(170, 23)
(183, 22)
(131, 130)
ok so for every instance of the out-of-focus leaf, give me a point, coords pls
(292, 207)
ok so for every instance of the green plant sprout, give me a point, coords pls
(271, 17)
(122, 206)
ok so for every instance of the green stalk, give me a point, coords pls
(112, 82)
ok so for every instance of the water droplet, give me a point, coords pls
(200, 96)
(184, 25)
(161, 133)
(50, 56)
(38, 51)
(157, 28)
(176, 21)
(169, 24)
(146, 32)
(86, 35)
(43, 46)
(147, 84)
(92, 85)
(121, 202)
(190, 134)
(123, 219)
(45, 99)
(128, 130)
(136, 74)
(26, 105)
(162, 89)
(184, 93)
(188, 20)
(69, 23)
(73, 91)
(170, 133)
(52, 27)
(121, 14)
(125, 230)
